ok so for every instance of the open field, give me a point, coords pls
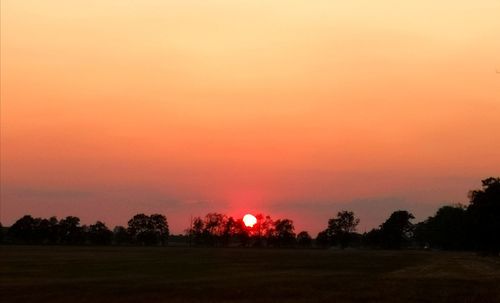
(134, 274)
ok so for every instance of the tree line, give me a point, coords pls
(217, 229)
(474, 227)
(141, 230)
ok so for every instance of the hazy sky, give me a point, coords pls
(289, 108)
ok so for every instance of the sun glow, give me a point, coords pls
(249, 220)
(292, 104)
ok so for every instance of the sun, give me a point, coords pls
(249, 220)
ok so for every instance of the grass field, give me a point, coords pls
(134, 274)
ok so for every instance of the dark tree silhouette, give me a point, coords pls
(397, 230)
(196, 231)
(267, 230)
(304, 239)
(448, 229)
(1, 233)
(214, 228)
(373, 238)
(121, 235)
(241, 233)
(484, 211)
(341, 228)
(258, 231)
(141, 230)
(268, 227)
(451, 228)
(261, 233)
(53, 236)
(99, 234)
(322, 239)
(42, 231)
(229, 231)
(23, 230)
(284, 234)
(70, 231)
(160, 227)
(217, 229)
(148, 230)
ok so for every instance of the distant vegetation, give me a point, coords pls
(142, 230)
(220, 230)
(475, 227)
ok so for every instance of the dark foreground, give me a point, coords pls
(132, 274)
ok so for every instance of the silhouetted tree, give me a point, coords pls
(121, 235)
(160, 227)
(141, 231)
(217, 229)
(70, 231)
(53, 236)
(448, 229)
(196, 231)
(23, 230)
(422, 234)
(267, 229)
(262, 232)
(356, 239)
(284, 234)
(1, 233)
(229, 231)
(322, 239)
(484, 211)
(241, 233)
(304, 239)
(397, 230)
(372, 238)
(148, 230)
(42, 230)
(340, 229)
(214, 228)
(99, 234)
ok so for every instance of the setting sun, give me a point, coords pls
(249, 220)
(138, 137)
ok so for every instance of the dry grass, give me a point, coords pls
(132, 274)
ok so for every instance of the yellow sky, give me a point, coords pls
(243, 105)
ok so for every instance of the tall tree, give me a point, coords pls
(304, 239)
(142, 230)
(284, 234)
(99, 234)
(373, 238)
(484, 211)
(241, 233)
(54, 232)
(160, 227)
(23, 230)
(340, 229)
(121, 235)
(322, 239)
(229, 231)
(196, 231)
(214, 228)
(262, 231)
(448, 229)
(70, 231)
(397, 230)
(42, 231)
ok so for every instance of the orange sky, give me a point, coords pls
(292, 108)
